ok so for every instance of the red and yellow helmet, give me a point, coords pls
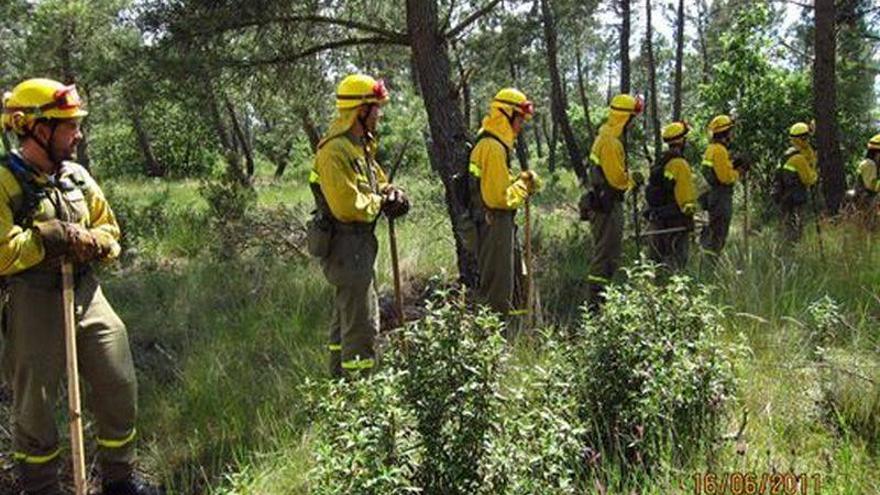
(36, 99)
(514, 100)
(358, 89)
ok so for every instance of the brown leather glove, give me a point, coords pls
(395, 204)
(54, 237)
(83, 246)
(68, 239)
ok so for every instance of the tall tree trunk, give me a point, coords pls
(585, 101)
(679, 59)
(310, 129)
(554, 138)
(243, 145)
(465, 92)
(536, 128)
(521, 146)
(825, 105)
(145, 143)
(652, 79)
(448, 153)
(625, 19)
(558, 104)
(702, 14)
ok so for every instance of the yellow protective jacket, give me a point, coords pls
(499, 188)
(21, 247)
(350, 180)
(802, 159)
(608, 153)
(679, 171)
(870, 177)
(718, 158)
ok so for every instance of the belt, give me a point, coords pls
(49, 279)
(353, 228)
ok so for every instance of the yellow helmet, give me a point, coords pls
(800, 130)
(720, 124)
(675, 131)
(512, 99)
(874, 142)
(36, 99)
(627, 103)
(357, 89)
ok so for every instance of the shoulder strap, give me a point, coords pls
(488, 135)
(31, 193)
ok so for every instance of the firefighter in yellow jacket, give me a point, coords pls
(868, 187)
(721, 173)
(51, 209)
(795, 178)
(351, 191)
(672, 200)
(609, 181)
(497, 193)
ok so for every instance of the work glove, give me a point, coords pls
(638, 178)
(68, 239)
(531, 180)
(394, 203)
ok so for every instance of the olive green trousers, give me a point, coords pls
(34, 366)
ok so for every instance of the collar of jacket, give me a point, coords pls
(615, 124)
(497, 123)
(16, 160)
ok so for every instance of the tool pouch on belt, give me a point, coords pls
(319, 228)
(467, 191)
(319, 232)
(602, 196)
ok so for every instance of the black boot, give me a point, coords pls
(133, 485)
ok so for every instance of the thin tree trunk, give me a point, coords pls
(153, 167)
(554, 136)
(239, 137)
(585, 101)
(679, 59)
(536, 128)
(448, 153)
(825, 105)
(702, 13)
(310, 129)
(652, 79)
(557, 93)
(625, 19)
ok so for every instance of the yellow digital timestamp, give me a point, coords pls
(749, 483)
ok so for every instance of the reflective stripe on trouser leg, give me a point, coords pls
(33, 366)
(106, 366)
(359, 323)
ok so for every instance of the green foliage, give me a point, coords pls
(439, 403)
(765, 99)
(652, 373)
(229, 199)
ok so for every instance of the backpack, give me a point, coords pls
(660, 191)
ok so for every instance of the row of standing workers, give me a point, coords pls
(54, 214)
(351, 192)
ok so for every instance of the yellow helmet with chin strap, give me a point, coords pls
(720, 124)
(874, 143)
(675, 131)
(513, 100)
(358, 89)
(800, 130)
(36, 99)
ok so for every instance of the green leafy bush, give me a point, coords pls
(423, 422)
(651, 371)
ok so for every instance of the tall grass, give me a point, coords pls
(223, 345)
